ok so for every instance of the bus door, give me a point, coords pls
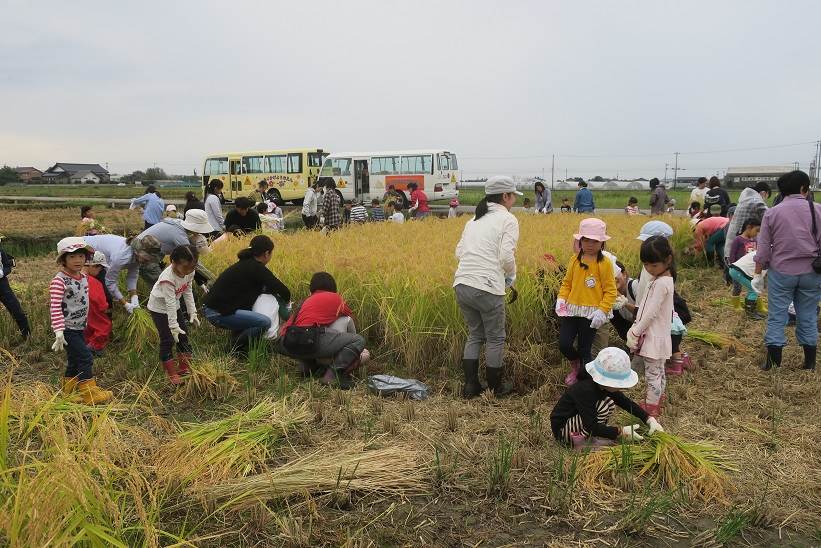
(235, 170)
(362, 178)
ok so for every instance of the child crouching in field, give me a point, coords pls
(649, 337)
(580, 416)
(98, 327)
(68, 305)
(164, 305)
(742, 268)
(586, 296)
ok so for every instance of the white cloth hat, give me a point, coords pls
(171, 207)
(655, 228)
(612, 368)
(98, 259)
(499, 184)
(196, 220)
(72, 244)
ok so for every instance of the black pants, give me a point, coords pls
(676, 339)
(9, 300)
(310, 222)
(166, 339)
(621, 325)
(572, 328)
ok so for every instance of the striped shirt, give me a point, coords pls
(585, 408)
(359, 214)
(68, 302)
(377, 213)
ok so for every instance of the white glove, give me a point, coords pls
(758, 283)
(204, 288)
(135, 300)
(193, 319)
(598, 319)
(630, 433)
(561, 308)
(131, 307)
(59, 341)
(621, 300)
(632, 340)
(654, 426)
(176, 332)
(322, 219)
(509, 281)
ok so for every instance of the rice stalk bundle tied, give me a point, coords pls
(140, 329)
(233, 446)
(209, 379)
(390, 470)
(718, 340)
(666, 461)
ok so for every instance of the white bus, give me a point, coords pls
(366, 175)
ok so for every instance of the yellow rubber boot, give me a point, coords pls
(761, 305)
(68, 386)
(735, 302)
(92, 394)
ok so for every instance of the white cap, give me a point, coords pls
(500, 184)
(72, 244)
(98, 259)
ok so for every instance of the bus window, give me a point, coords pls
(236, 168)
(216, 166)
(276, 164)
(252, 164)
(315, 159)
(444, 162)
(295, 163)
(412, 165)
(336, 167)
(453, 165)
(388, 165)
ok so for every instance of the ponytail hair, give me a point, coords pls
(212, 186)
(258, 246)
(482, 207)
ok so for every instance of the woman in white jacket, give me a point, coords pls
(487, 267)
(213, 207)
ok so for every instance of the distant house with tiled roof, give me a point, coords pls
(84, 176)
(62, 172)
(28, 174)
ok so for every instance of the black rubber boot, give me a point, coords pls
(752, 311)
(809, 357)
(773, 358)
(472, 386)
(494, 381)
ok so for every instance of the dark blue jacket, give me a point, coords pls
(584, 201)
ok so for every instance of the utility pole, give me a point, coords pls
(675, 173)
(552, 169)
(565, 175)
(665, 172)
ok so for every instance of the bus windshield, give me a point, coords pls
(336, 167)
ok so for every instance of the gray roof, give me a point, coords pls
(71, 169)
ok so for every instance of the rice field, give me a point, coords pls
(247, 453)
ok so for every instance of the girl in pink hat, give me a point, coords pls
(586, 296)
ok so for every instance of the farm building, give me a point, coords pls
(28, 174)
(741, 177)
(67, 173)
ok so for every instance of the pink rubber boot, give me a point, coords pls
(573, 376)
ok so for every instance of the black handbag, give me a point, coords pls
(816, 263)
(301, 341)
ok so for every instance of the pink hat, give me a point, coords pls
(592, 229)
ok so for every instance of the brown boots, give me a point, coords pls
(86, 392)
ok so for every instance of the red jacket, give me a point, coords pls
(98, 327)
(321, 308)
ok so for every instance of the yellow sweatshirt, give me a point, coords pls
(591, 287)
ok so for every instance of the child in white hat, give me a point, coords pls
(580, 416)
(68, 304)
(98, 327)
(586, 296)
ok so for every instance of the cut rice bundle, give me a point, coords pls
(712, 338)
(667, 461)
(390, 470)
(140, 329)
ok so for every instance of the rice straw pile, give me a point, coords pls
(667, 461)
(718, 340)
(390, 470)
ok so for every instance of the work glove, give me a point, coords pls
(561, 308)
(621, 300)
(654, 426)
(193, 319)
(632, 341)
(131, 307)
(135, 300)
(204, 288)
(509, 281)
(758, 283)
(176, 332)
(630, 433)
(59, 341)
(598, 319)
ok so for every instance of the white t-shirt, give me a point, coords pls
(166, 293)
(397, 218)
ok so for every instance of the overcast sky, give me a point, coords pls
(503, 84)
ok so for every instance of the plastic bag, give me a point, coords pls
(386, 385)
(267, 305)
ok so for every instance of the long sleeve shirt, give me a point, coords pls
(309, 203)
(170, 233)
(584, 201)
(239, 285)
(248, 222)
(68, 301)
(740, 247)
(166, 293)
(153, 207)
(487, 251)
(119, 256)
(658, 199)
(786, 243)
(544, 202)
(213, 210)
(586, 289)
(697, 195)
(654, 319)
(98, 326)
(583, 399)
(706, 228)
(330, 209)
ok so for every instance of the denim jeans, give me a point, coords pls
(802, 290)
(245, 323)
(9, 300)
(79, 356)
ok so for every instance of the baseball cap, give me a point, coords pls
(655, 228)
(500, 184)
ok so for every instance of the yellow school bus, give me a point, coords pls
(287, 172)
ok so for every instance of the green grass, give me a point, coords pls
(92, 191)
(605, 199)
